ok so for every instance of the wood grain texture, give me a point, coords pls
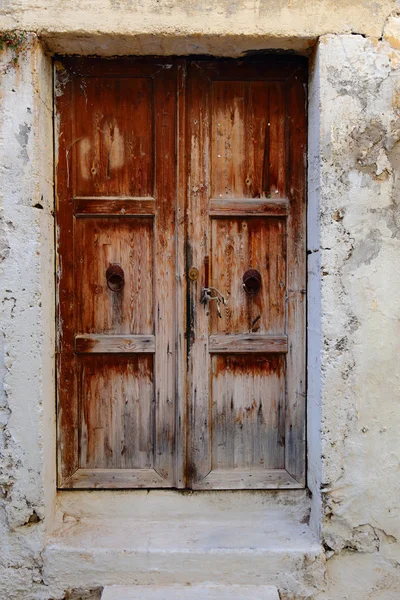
(247, 207)
(247, 343)
(265, 479)
(99, 243)
(238, 245)
(181, 279)
(296, 296)
(248, 394)
(87, 479)
(116, 393)
(96, 344)
(117, 411)
(67, 398)
(112, 149)
(245, 210)
(165, 88)
(198, 245)
(114, 206)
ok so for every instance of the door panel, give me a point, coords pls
(246, 207)
(239, 244)
(116, 395)
(247, 393)
(104, 241)
(113, 154)
(164, 165)
(116, 328)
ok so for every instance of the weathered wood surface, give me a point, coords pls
(160, 164)
(248, 207)
(240, 479)
(116, 349)
(117, 416)
(247, 344)
(114, 343)
(115, 479)
(114, 206)
(246, 149)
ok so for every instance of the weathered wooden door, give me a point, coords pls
(116, 193)
(177, 181)
(246, 228)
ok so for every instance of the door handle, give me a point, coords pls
(115, 278)
(251, 281)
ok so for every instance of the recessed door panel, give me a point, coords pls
(113, 136)
(239, 244)
(248, 399)
(127, 243)
(116, 396)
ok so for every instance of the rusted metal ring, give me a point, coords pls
(251, 281)
(115, 278)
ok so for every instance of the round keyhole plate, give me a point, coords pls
(251, 281)
(193, 274)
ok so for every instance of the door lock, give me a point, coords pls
(211, 293)
(193, 274)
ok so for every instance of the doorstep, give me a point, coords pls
(163, 539)
(191, 592)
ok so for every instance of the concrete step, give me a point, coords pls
(160, 539)
(191, 592)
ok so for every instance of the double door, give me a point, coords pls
(180, 207)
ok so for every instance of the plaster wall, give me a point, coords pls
(27, 420)
(354, 247)
(223, 27)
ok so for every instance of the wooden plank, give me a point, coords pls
(67, 399)
(296, 279)
(247, 343)
(181, 279)
(197, 248)
(248, 480)
(114, 344)
(277, 144)
(248, 207)
(266, 68)
(165, 88)
(143, 66)
(114, 206)
(257, 142)
(115, 479)
(228, 139)
(113, 147)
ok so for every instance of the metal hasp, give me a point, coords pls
(115, 278)
(251, 281)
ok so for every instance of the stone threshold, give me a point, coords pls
(163, 539)
(191, 592)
